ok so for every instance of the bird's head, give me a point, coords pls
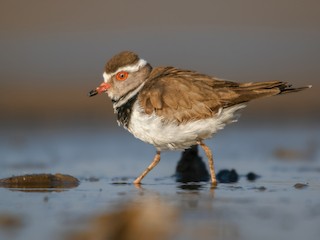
(123, 73)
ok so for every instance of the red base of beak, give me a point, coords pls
(102, 88)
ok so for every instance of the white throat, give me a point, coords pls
(127, 97)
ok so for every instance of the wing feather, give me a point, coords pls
(179, 95)
(183, 95)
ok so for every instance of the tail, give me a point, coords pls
(264, 89)
(250, 91)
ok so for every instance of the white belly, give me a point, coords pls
(164, 136)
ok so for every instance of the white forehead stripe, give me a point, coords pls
(106, 77)
(130, 68)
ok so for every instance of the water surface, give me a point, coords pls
(107, 160)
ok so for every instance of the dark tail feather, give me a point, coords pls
(289, 89)
(253, 90)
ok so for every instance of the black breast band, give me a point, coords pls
(125, 110)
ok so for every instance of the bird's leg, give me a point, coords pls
(210, 160)
(154, 163)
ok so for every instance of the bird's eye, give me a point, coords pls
(121, 76)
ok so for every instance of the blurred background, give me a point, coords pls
(53, 53)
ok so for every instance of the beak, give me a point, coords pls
(102, 88)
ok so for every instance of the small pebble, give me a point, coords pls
(227, 176)
(93, 179)
(261, 189)
(251, 176)
(300, 185)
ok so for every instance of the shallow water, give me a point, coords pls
(106, 161)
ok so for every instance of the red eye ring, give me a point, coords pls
(121, 76)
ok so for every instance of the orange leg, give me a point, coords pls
(154, 163)
(210, 160)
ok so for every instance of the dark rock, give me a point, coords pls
(190, 167)
(227, 176)
(251, 176)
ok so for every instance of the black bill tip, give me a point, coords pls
(92, 93)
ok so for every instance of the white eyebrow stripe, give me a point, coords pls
(106, 76)
(130, 68)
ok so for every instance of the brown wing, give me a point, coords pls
(183, 95)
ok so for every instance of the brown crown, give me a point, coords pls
(120, 60)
